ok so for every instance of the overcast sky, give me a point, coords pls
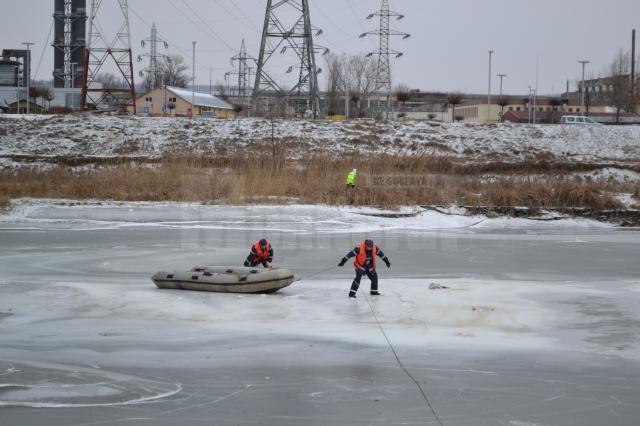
(448, 48)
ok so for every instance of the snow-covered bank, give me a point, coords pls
(297, 219)
(108, 136)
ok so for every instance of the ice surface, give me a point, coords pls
(538, 325)
(299, 219)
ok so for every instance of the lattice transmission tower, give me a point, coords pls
(384, 52)
(243, 72)
(102, 50)
(153, 71)
(279, 37)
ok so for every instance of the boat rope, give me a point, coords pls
(315, 273)
(395, 354)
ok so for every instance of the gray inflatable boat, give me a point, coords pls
(226, 279)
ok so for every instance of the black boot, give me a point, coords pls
(352, 295)
(375, 293)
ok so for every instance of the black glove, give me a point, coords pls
(342, 262)
(387, 262)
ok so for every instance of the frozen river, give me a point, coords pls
(538, 326)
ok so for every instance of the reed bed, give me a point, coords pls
(387, 181)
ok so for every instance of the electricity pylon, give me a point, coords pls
(383, 75)
(153, 71)
(243, 72)
(278, 37)
(99, 50)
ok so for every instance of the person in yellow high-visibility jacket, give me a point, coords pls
(351, 178)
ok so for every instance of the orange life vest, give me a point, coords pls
(261, 254)
(361, 258)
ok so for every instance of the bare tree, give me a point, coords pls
(110, 81)
(238, 108)
(502, 101)
(556, 103)
(618, 95)
(453, 99)
(221, 90)
(34, 93)
(353, 73)
(336, 82)
(173, 70)
(49, 96)
(362, 78)
(403, 94)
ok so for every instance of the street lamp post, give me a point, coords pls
(28, 67)
(501, 77)
(193, 83)
(584, 64)
(529, 105)
(489, 93)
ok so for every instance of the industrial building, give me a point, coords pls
(15, 66)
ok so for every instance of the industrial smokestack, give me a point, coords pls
(69, 42)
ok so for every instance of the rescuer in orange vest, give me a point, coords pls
(365, 264)
(261, 253)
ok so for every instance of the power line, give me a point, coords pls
(246, 18)
(186, 53)
(44, 49)
(206, 25)
(356, 15)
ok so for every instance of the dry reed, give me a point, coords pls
(318, 179)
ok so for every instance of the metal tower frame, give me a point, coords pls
(153, 71)
(99, 50)
(383, 76)
(69, 44)
(243, 72)
(298, 38)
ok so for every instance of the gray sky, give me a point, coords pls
(448, 48)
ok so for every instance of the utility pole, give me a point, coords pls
(584, 64)
(383, 74)
(28, 67)
(529, 106)
(489, 93)
(193, 83)
(296, 39)
(501, 77)
(535, 93)
(632, 95)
